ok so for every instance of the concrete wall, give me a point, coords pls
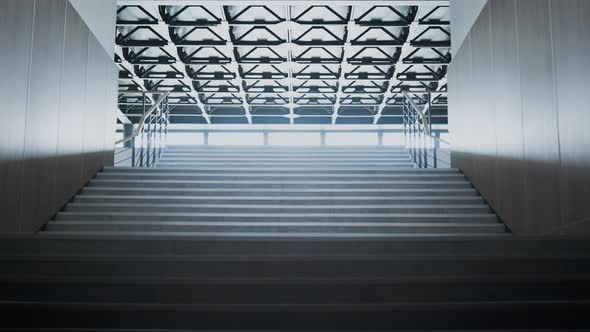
(100, 16)
(463, 15)
(520, 110)
(58, 93)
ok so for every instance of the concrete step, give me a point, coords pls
(276, 200)
(290, 154)
(148, 217)
(228, 228)
(121, 244)
(279, 330)
(253, 184)
(327, 149)
(282, 208)
(294, 270)
(279, 192)
(193, 287)
(280, 177)
(448, 316)
(286, 154)
(328, 165)
(284, 159)
(247, 236)
(230, 169)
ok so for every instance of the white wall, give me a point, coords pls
(100, 16)
(463, 16)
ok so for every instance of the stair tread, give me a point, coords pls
(302, 215)
(269, 235)
(281, 206)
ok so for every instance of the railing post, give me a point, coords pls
(166, 121)
(142, 136)
(156, 119)
(160, 127)
(323, 138)
(436, 147)
(148, 149)
(380, 138)
(127, 132)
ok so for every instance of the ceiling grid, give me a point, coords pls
(281, 63)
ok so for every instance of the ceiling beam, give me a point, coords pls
(287, 2)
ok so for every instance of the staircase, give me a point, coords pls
(280, 192)
(269, 238)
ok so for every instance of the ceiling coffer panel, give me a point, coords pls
(284, 63)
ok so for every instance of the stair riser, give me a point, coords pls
(295, 160)
(483, 316)
(288, 151)
(242, 217)
(284, 192)
(332, 230)
(324, 165)
(283, 157)
(280, 155)
(257, 274)
(286, 162)
(283, 184)
(311, 248)
(296, 294)
(281, 177)
(279, 201)
(228, 169)
(271, 209)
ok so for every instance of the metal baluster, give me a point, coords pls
(160, 125)
(133, 152)
(430, 125)
(167, 120)
(420, 143)
(415, 138)
(142, 138)
(152, 141)
(155, 152)
(149, 142)
(435, 150)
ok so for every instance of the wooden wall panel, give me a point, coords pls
(16, 25)
(73, 94)
(53, 138)
(41, 130)
(571, 45)
(535, 108)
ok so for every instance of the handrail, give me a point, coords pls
(149, 112)
(424, 118)
(423, 147)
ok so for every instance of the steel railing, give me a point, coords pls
(151, 130)
(424, 145)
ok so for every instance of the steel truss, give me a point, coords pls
(284, 63)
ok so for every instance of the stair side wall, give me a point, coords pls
(519, 113)
(58, 96)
